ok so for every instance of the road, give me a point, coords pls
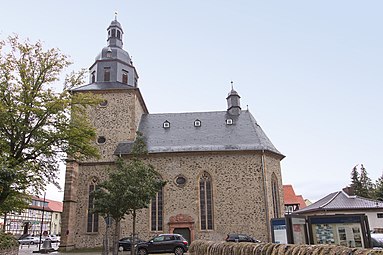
(32, 249)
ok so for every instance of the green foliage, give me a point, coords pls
(15, 202)
(361, 184)
(39, 127)
(378, 192)
(130, 187)
(7, 241)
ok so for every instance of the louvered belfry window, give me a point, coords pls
(206, 202)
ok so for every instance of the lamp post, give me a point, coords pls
(42, 221)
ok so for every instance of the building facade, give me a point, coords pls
(223, 173)
(41, 215)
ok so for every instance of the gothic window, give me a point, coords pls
(106, 73)
(92, 223)
(275, 195)
(157, 211)
(125, 77)
(205, 201)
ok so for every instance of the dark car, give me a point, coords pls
(164, 243)
(125, 244)
(241, 238)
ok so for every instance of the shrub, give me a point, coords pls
(7, 241)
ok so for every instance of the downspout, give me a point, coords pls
(265, 196)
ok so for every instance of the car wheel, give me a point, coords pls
(32, 243)
(142, 252)
(178, 251)
(120, 248)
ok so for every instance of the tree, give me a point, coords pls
(15, 202)
(378, 192)
(39, 127)
(128, 189)
(361, 184)
(366, 184)
(355, 182)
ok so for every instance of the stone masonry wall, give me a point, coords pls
(117, 121)
(238, 194)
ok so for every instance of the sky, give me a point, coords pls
(310, 72)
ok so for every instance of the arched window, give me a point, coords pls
(124, 77)
(205, 201)
(106, 73)
(275, 195)
(93, 76)
(118, 34)
(92, 223)
(156, 213)
(113, 32)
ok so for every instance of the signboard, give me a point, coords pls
(346, 230)
(278, 231)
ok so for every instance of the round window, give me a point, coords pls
(180, 180)
(104, 103)
(101, 139)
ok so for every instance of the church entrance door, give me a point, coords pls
(182, 224)
(185, 232)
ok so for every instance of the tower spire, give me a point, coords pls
(233, 104)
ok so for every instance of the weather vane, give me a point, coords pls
(115, 15)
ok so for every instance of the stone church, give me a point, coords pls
(223, 173)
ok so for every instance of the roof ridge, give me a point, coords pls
(329, 201)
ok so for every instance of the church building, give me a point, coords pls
(223, 173)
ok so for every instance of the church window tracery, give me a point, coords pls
(206, 203)
(157, 205)
(275, 195)
(92, 222)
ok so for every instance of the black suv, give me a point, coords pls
(124, 244)
(241, 238)
(164, 243)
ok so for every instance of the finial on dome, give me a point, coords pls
(115, 15)
(232, 85)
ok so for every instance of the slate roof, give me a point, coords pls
(103, 86)
(339, 201)
(213, 134)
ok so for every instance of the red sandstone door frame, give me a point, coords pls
(182, 221)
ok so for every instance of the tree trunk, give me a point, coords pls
(116, 236)
(5, 221)
(133, 250)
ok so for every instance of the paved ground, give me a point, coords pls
(30, 249)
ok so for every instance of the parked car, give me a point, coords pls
(53, 238)
(377, 240)
(125, 244)
(164, 243)
(29, 240)
(241, 238)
